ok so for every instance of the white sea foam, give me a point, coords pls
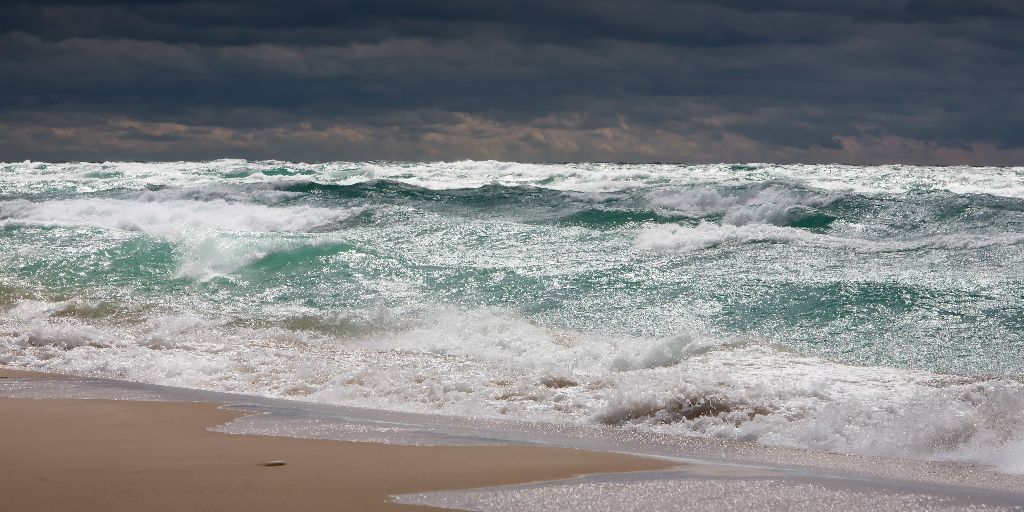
(673, 237)
(495, 363)
(756, 205)
(584, 177)
(173, 216)
(679, 238)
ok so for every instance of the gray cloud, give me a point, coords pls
(916, 81)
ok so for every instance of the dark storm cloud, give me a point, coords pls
(931, 81)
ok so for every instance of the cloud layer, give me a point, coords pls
(921, 81)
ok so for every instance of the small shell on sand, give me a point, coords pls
(274, 463)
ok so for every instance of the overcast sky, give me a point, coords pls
(866, 81)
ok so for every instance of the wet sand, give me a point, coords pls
(129, 456)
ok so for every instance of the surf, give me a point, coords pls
(827, 307)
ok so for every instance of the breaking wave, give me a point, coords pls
(173, 216)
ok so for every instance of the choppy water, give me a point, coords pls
(856, 309)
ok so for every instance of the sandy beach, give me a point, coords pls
(123, 455)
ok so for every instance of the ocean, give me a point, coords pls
(875, 310)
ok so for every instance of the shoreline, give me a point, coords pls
(120, 455)
(482, 464)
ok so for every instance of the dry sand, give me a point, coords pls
(114, 456)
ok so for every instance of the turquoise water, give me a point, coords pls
(460, 287)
